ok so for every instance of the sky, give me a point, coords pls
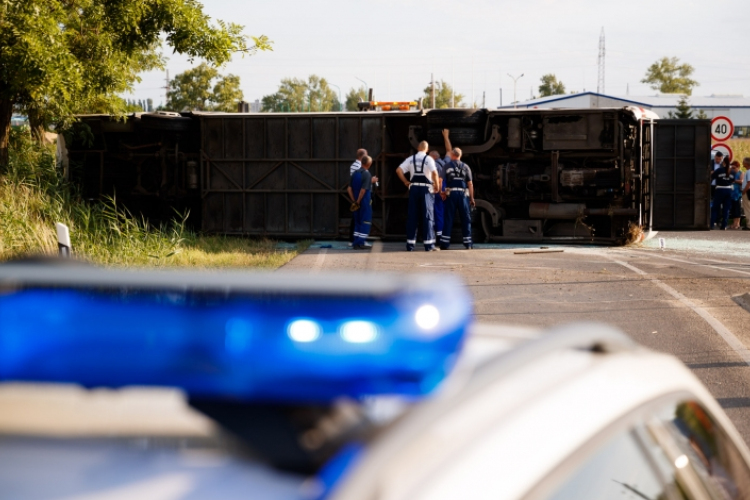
(395, 45)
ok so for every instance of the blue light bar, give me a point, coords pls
(253, 337)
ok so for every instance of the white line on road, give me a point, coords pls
(728, 269)
(722, 330)
(319, 261)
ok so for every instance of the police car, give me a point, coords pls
(317, 389)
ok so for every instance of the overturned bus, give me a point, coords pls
(602, 175)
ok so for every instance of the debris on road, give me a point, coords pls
(521, 252)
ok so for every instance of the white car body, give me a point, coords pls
(499, 431)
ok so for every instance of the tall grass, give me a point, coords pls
(740, 148)
(33, 197)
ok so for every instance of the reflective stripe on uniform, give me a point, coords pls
(411, 242)
(420, 184)
(429, 242)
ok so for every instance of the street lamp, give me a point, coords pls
(515, 101)
(367, 87)
(341, 105)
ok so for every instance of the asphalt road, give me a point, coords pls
(677, 300)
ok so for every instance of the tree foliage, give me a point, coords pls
(355, 96)
(683, 111)
(202, 88)
(443, 96)
(297, 95)
(668, 76)
(551, 86)
(61, 57)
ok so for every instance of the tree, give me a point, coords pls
(202, 88)
(551, 86)
(61, 57)
(226, 94)
(443, 96)
(685, 112)
(355, 96)
(683, 109)
(668, 76)
(296, 95)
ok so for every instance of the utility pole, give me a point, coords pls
(600, 80)
(167, 88)
(473, 100)
(515, 80)
(432, 91)
(453, 84)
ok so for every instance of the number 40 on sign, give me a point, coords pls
(722, 129)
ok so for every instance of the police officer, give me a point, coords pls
(439, 192)
(422, 185)
(356, 165)
(460, 196)
(361, 184)
(722, 198)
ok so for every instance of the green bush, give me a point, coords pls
(34, 196)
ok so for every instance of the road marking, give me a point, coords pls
(723, 331)
(319, 261)
(696, 264)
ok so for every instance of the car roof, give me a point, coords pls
(552, 399)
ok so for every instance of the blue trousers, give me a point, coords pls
(722, 201)
(363, 220)
(438, 216)
(421, 208)
(456, 201)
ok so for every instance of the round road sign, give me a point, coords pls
(725, 150)
(722, 129)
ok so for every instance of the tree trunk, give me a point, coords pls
(6, 112)
(37, 125)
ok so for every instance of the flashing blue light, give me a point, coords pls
(359, 332)
(304, 330)
(253, 340)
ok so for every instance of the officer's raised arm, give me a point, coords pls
(446, 140)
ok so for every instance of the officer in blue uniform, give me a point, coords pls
(422, 185)
(460, 196)
(361, 184)
(440, 193)
(722, 199)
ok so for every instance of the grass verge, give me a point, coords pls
(33, 197)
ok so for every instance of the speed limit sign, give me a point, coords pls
(725, 150)
(722, 129)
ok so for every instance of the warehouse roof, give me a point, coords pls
(653, 101)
